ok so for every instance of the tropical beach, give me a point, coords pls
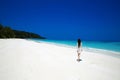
(59, 39)
(22, 59)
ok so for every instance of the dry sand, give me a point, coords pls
(28, 60)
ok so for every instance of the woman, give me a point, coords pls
(79, 49)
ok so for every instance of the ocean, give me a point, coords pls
(111, 46)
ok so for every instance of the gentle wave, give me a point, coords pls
(111, 46)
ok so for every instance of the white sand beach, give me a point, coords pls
(28, 60)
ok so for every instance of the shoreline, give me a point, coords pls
(103, 51)
(66, 45)
(88, 49)
(21, 59)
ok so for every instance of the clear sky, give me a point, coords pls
(64, 19)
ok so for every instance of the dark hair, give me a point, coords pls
(79, 43)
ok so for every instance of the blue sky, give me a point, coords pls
(64, 19)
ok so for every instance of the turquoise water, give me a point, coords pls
(113, 46)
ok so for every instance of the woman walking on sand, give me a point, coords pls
(79, 49)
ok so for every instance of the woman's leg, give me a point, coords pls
(78, 55)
